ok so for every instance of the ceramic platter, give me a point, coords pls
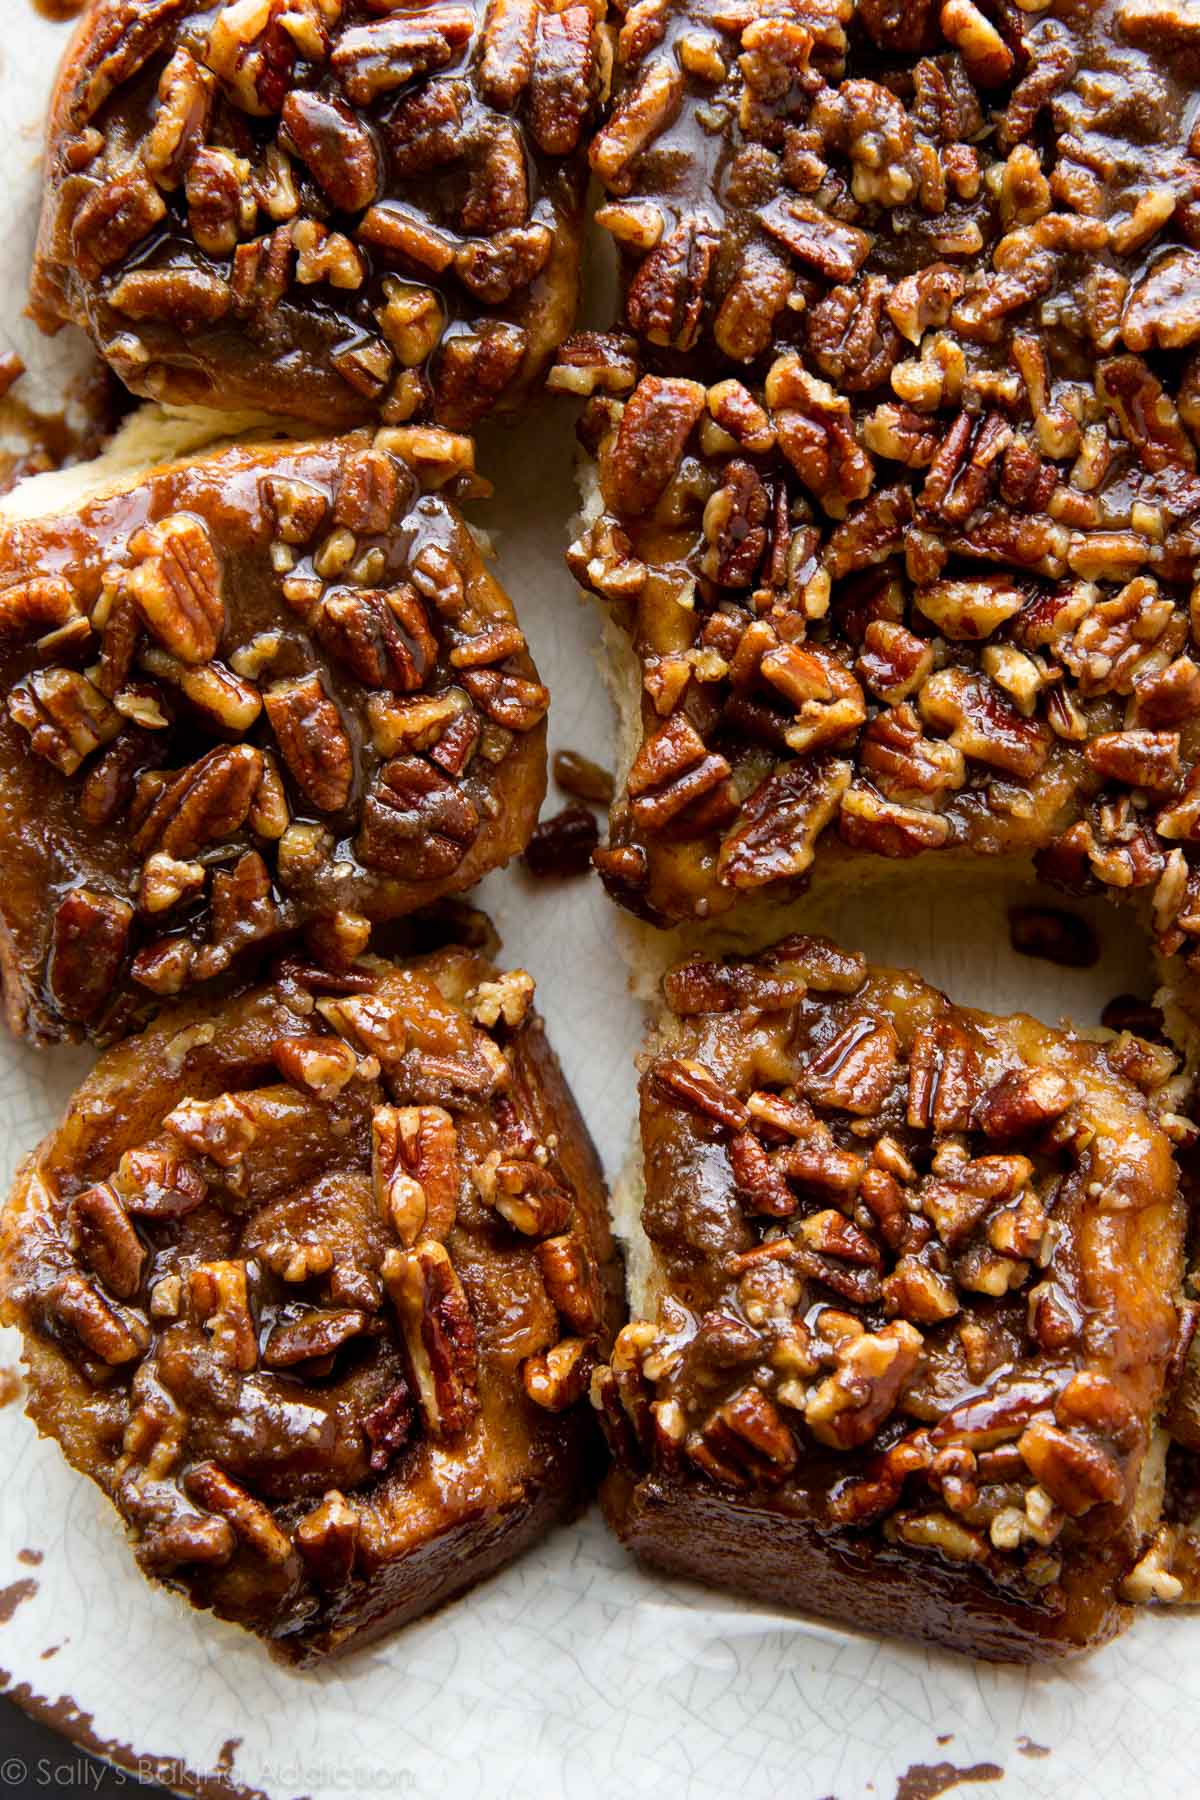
(572, 1674)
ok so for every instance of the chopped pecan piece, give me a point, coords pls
(158, 1184)
(849, 1406)
(1022, 1103)
(327, 1539)
(252, 1522)
(563, 845)
(672, 769)
(311, 1338)
(1075, 1473)
(559, 1377)
(319, 1065)
(746, 1439)
(529, 1196)
(220, 1298)
(1057, 936)
(570, 1281)
(439, 1333)
(90, 939)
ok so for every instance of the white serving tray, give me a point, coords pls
(572, 1674)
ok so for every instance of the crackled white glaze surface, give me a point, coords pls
(572, 1674)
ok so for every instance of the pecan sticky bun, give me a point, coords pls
(897, 475)
(312, 1284)
(267, 688)
(338, 209)
(909, 1313)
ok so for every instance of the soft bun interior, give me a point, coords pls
(148, 438)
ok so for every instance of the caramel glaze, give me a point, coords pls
(59, 10)
(1104, 91)
(79, 832)
(215, 335)
(432, 1506)
(732, 1467)
(803, 455)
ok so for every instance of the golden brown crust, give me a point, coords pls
(248, 692)
(321, 207)
(284, 1300)
(912, 1307)
(783, 1560)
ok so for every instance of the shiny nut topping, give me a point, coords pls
(870, 1222)
(281, 148)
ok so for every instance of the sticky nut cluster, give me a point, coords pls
(887, 1297)
(289, 1287)
(377, 206)
(291, 698)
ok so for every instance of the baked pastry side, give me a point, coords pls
(311, 1283)
(267, 687)
(906, 1284)
(331, 209)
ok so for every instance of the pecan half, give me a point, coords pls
(201, 805)
(417, 824)
(158, 1183)
(526, 1194)
(220, 1299)
(335, 146)
(312, 740)
(106, 1239)
(176, 587)
(415, 1169)
(775, 836)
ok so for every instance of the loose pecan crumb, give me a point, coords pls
(1054, 935)
(563, 845)
(582, 778)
